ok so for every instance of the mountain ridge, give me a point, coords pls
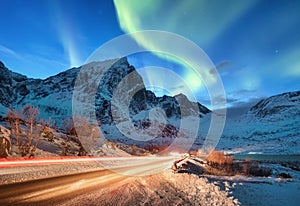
(53, 95)
(277, 107)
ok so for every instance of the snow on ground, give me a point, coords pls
(268, 194)
(247, 133)
(276, 192)
(266, 191)
(166, 188)
(279, 137)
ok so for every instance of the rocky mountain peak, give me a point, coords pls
(53, 95)
(1, 64)
(278, 106)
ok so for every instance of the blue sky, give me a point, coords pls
(254, 44)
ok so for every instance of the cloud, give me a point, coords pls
(242, 92)
(240, 108)
(242, 97)
(44, 62)
(46, 66)
(238, 99)
(219, 67)
(222, 64)
(6, 50)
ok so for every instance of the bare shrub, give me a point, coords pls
(67, 149)
(69, 126)
(261, 172)
(219, 158)
(48, 123)
(90, 136)
(13, 117)
(220, 163)
(27, 138)
(30, 114)
(48, 126)
(82, 151)
(47, 133)
(249, 167)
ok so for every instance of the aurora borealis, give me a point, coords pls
(254, 44)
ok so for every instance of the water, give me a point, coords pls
(268, 158)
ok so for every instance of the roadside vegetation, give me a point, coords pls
(220, 163)
(24, 129)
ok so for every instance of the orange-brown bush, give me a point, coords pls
(219, 158)
(219, 163)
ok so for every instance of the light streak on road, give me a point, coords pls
(50, 189)
(46, 161)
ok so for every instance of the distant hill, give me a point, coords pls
(270, 126)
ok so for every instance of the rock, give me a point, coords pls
(5, 143)
(284, 176)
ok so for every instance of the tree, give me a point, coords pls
(13, 117)
(28, 143)
(86, 134)
(30, 114)
(69, 126)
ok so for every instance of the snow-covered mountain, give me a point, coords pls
(270, 126)
(53, 96)
(278, 107)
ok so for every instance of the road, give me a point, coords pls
(55, 190)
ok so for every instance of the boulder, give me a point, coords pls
(5, 143)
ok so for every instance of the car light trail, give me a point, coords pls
(60, 160)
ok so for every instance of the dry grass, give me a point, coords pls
(219, 158)
(221, 164)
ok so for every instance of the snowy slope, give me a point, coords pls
(277, 107)
(270, 126)
(54, 97)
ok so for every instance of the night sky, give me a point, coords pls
(255, 45)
